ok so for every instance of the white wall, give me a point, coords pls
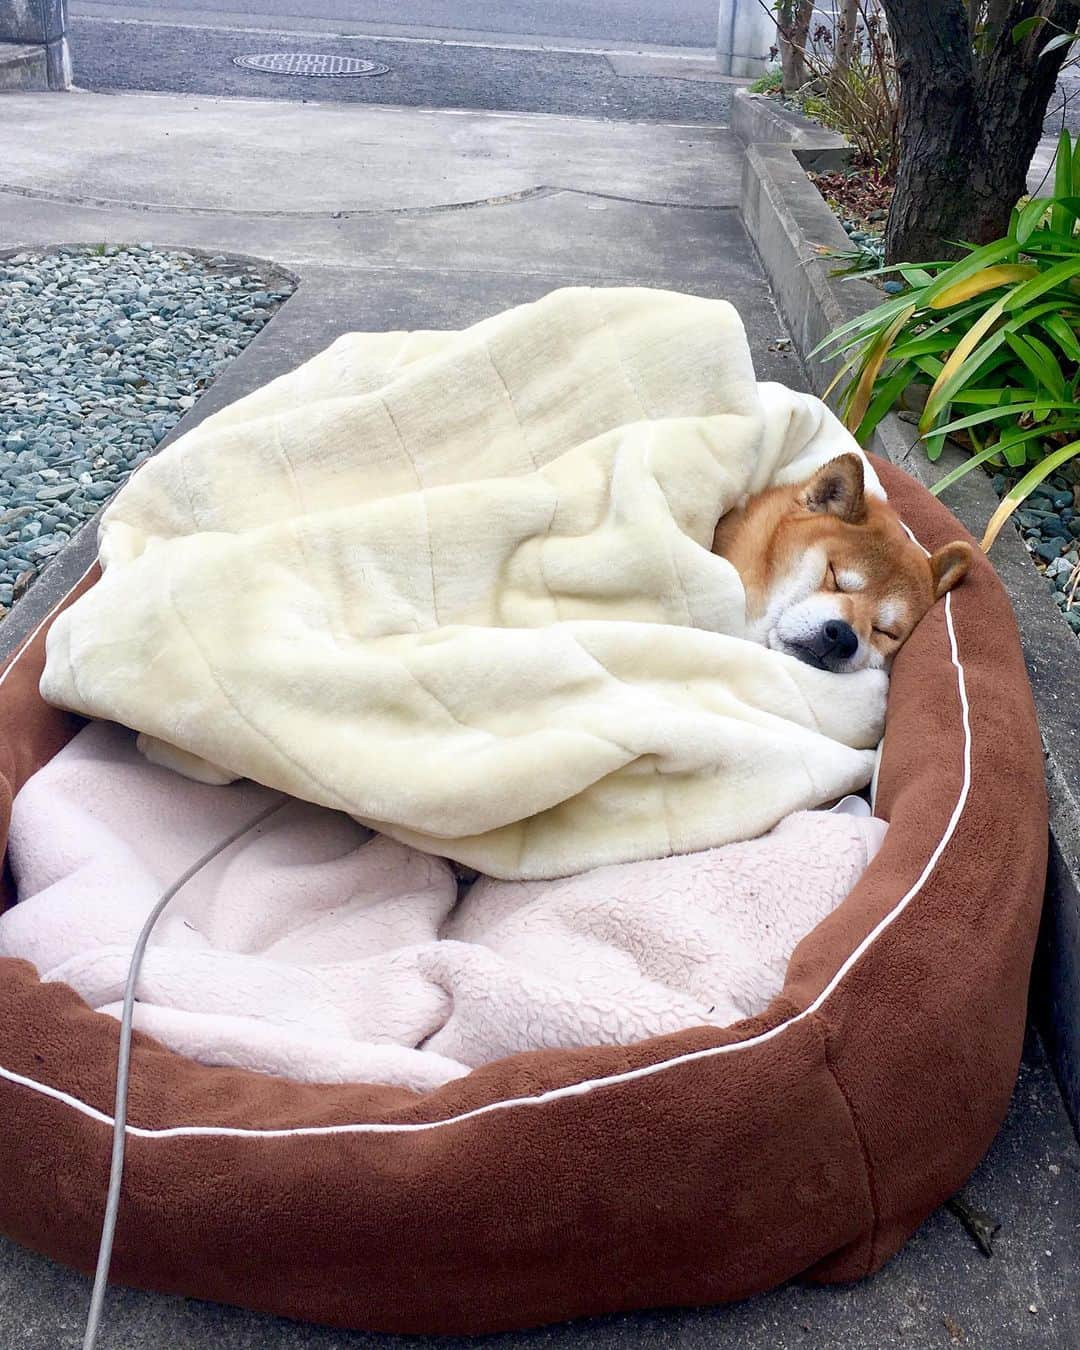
(745, 32)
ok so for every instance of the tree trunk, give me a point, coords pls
(968, 128)
(845, 37)
(793, 26)
(997, 16)
(938, 132)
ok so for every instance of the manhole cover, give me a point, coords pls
(310, 64)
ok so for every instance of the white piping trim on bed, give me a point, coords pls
(572, 1089)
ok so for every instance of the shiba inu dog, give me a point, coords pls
(831, 577)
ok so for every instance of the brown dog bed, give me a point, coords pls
(688, 1169)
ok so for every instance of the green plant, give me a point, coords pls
(864, 258)
(769, 83)
(1063, 37)
(993, 341)
(855, 76)
(839, 62)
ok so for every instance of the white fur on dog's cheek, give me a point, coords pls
(791, 590)
(876, 660)
(803, 622)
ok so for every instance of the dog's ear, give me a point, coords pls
(837, 489)
(949, 565)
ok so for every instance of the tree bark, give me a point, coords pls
(793, 25)
(845, 38)
(997, 16)
(968, 127)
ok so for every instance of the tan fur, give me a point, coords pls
(826, 529)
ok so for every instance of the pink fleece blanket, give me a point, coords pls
(318, 951)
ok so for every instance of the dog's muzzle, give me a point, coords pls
(835, 643)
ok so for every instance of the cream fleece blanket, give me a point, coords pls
(459, 586)
(316, 951)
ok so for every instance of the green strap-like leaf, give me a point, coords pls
(916, 277)
(1029, 291)
(1025, 26)
(986, 256)
(1014, 455)
(1056, 43)
(1040, 360)
(1030, 215)
(972, 462)
(1058, 226)
(1026, 317)
(995, 414)
(1076, 163)
(923, 344)
(1060, 215)
(1046, 247)
(1018, 435)
(929, 365)
(876, 355)
(934, 443)
(955, 317)
(887, 269)
(865, 326)
(886, 394)
(970, 352)
(993, 396)
(1063, 335)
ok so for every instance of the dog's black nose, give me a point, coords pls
(836, 642)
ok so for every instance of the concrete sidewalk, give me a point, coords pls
(404, 201)
(398, 218)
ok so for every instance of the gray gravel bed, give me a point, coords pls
(102, 351)
(1049, 521)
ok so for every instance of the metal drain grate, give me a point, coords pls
(310, 64)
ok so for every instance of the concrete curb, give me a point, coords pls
(792, 228)
(41, 30)
(757, 119)
(24, 68)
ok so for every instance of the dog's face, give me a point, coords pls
(830, 575)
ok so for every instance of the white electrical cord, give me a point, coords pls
(123, 1058)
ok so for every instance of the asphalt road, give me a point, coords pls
(673, 23)
(1064, 109)
(178, 57)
